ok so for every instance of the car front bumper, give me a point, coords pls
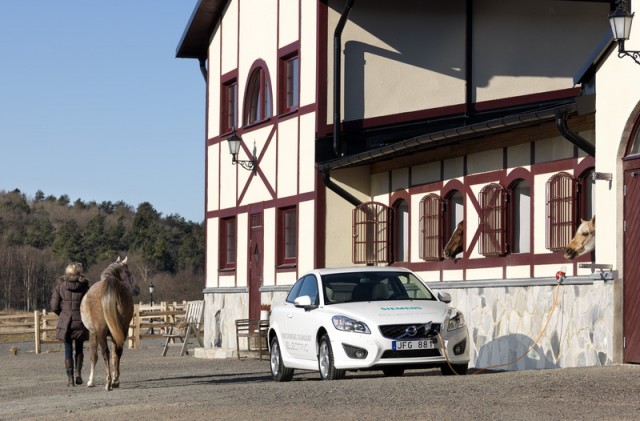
(379, 351)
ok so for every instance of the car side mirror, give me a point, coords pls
(445, 297)
(304, 301)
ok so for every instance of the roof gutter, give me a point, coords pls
(337, 80)
(450, 136)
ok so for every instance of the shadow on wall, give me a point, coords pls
(217, 341)
(506, 353)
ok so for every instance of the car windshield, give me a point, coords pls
(373, 286)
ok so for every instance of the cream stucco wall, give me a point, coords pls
(536, 52)
(289, 11)
(411, 57)
(338, 251)
(284, 145)
(391, 69)
(617, 102)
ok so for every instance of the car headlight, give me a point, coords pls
(349, 325)
(456, 322)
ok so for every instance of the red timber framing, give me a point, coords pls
(498, 255)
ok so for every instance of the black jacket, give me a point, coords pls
(65, 302)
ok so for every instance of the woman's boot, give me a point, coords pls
(79, 360)
(68, 364)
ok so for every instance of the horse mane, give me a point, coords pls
(111, 301)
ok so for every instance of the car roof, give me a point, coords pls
(360, 269)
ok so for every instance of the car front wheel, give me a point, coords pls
(326, 366)
(279, 372)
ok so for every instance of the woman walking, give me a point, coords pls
(65, 302)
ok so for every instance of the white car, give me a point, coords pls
(365, 318)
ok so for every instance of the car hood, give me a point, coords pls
(393, 312)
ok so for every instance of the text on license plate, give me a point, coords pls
(410, 345)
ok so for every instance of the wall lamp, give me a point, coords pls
(234, 148)
(620, 21)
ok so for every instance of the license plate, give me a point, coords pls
(412, 345)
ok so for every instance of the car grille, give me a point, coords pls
(415, 353)
(399, 332)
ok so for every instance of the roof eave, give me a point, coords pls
(449, 136)
(195, 39)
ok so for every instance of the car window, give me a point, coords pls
(304, 286)
(373, 286)
(293, 292)
(310, 288)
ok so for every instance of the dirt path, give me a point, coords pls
(154, 388)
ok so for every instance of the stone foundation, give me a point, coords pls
(512, 325)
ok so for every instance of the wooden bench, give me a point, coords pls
(254, 330)
(187, 328)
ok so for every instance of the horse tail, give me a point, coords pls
(110, 306)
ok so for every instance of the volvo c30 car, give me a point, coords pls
(365, 318)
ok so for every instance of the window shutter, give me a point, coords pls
(371, 233)
(561, 218)
(493, 221)
(431, 226)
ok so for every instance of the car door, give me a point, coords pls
(299, 327)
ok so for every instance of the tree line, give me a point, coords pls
(40, 235)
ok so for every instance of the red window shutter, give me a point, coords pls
(561, 210)
(431, 238)
(493, 221)
(371, 233)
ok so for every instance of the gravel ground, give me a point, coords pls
(33, 386)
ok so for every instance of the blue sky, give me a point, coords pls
(94, 104)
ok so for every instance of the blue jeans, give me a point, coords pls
(68, 348)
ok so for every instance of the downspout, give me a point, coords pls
(468, 47)
(203, 67)
(573, 137)
(337, 82)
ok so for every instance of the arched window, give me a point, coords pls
(454, 211)
(257, 102)
(453, 214)
(401, 231)
(586, 202)
(561, 210)
(493, 199)
(431, 227)
(371, 233)
(520, 217)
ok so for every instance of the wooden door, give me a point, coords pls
(631, 288)
(256, 255)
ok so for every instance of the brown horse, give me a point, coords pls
(455, 244)
(584, 241)
(106, 310)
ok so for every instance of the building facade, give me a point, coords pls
(369, 133)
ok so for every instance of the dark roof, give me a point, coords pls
(195, 39)
(451, 136)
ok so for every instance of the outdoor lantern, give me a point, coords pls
(620, 21)
(234, 148)
(151, 289)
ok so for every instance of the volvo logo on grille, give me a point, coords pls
(411, 331)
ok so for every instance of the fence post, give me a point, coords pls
(137, 328)
(132, 326)
(36, 326)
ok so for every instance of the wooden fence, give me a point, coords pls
(149, 322)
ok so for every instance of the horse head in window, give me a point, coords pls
(584, 241)
(455, 244)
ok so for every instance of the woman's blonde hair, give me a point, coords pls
(74, 269)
